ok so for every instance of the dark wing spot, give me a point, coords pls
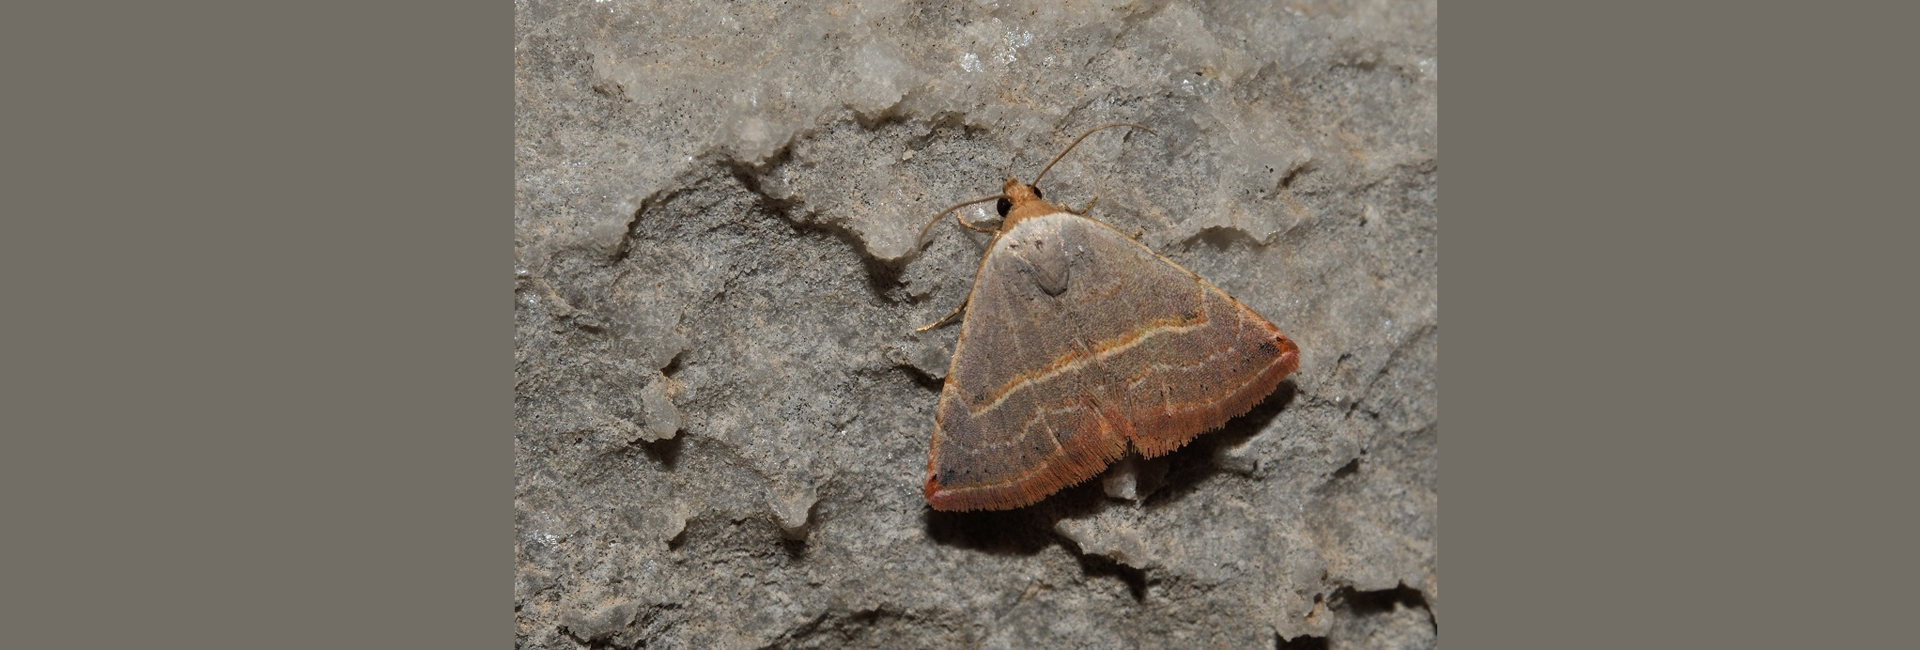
(1269, 348)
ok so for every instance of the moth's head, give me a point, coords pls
(1019, 201)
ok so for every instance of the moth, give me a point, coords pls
(1078, 343)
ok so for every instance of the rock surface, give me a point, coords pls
(723, 408)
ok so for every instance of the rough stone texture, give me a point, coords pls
(722, 406)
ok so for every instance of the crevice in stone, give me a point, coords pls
(656, 199)
(1096, 565)
(665, 451)
(1302, 642)
(1224, 237)
(1352, 467)
(1100, 565)
(883, 118)
(1393, 356)
(947, 121)
(673, 365)
(884, 277)
(920, 377)
(1371, 603)
(1292, 176)
(835, 629)
(796, 549)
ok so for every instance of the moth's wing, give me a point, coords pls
(1077, 340)
(1182, 357)
(1020, 414)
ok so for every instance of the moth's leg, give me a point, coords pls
(943, 319)
(1089, 206)
(921, 241)
(963, 222)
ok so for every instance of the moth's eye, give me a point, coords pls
(1036, 192)
(1002, 206)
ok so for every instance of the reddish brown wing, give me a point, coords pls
(1076, 341)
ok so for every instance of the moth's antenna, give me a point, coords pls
(922, 239)
(1076, 142)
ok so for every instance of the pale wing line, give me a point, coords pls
(1017, 385)
(1159, 369)
(1081, 362)
(1057, 449)
(1044, 463)
(1240, 324)
(1206, 316)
